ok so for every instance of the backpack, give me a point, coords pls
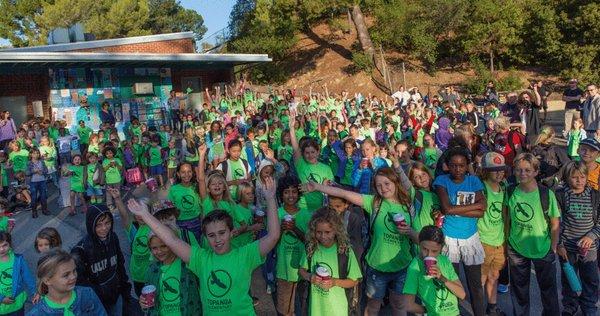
(352, 294)
(511, 144)
(544, 199)
(225, 167)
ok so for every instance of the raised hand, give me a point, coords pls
(202, 149)
(270, 188)
(137, 208)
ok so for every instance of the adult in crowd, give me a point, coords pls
(402, 96)
(106, 115)
(174, 108)
(591, 111)
(450, 95)
(8, 130)
(490, 92)
(510, 109)
(84, 113)
(572, 97)
(544, 92)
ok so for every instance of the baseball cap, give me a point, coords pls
(591, 142)
(493, 161)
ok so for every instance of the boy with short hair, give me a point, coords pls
(100, 262)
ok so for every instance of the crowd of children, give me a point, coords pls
(346, 202)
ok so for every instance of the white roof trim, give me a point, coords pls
(103, 43)
(35, 57)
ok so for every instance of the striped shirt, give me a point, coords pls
(578, 219)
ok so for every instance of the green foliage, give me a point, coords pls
(476, 85)
(362, 62)
(27, 22)
(510, 82)
(339, 24)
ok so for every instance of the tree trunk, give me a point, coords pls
(492, 61)
(363, 32)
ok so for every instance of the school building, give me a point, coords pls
(134, 74)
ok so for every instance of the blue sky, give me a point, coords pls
(214, 12)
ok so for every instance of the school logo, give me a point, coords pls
(218, 283)
(389, 223)
(495, 210)
(6, 277)
(441, 292)
(188, 201)
(315, 177)
(238, 173)
(141, 246)
(170, 289)
(523, 212)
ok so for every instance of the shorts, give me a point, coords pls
(156, 170)
(468, 251)
(495, 259)
(286, 296)
(91, 191)
(377, 283)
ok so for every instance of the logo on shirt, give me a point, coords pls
(6, 277)
(170, 290)
(523, 212)
(389, 223)
(218, 283)
(315, 177)
(495, 210)
(141, 246)
(238, 173)
(441, 292)
(187, 201)
(465, 198)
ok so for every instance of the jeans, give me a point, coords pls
(545, 272)
(116, 309)
(587, 268)
(473, 276)
(174, 120)
(38, 195)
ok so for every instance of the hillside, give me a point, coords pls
(323, 56)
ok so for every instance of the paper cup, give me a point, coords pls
(399, 219)
(429, 262)
(288, 218)
(323, 273)
(439, 221)
(259, 216)
(148, 293)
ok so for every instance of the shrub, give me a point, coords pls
(362, 62)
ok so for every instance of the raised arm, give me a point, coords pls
(293, 140)
(352, 197)
(268, 242)
(200, 175)
(116, 195)
(178, 246)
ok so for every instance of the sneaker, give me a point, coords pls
(495, 311)
(502, 288)
(255, 301)
(269, 289)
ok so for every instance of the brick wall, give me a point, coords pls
(160, 47)
(33, 86)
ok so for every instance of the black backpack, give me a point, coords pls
(352, 294)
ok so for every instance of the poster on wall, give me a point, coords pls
(38, 110)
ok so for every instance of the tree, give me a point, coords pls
(169, 16)
(17, 22)
(495, 27)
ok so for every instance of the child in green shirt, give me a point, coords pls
(432, 278)
(78, 179)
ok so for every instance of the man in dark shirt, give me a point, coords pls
(510, 109)
(544, 94)
(572, 98)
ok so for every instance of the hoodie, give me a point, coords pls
(100, 263)
(261, 199)
(443, 135)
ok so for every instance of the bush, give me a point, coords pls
(362, 62)
(339, 24)
(476, 85)
(511, 82)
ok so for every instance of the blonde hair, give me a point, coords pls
(572, 167)
(331, 217)
(47, 266)
(527, 157)
(216, 175)
(243, 186)
(502, 122)
(545, 136)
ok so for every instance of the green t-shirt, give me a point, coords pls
(290, 249)
(66, 307)
(94, 148)
(155, 156)
(573, 142)
(91, 169)
(243, 216)
(84, 134)
(77, 184)
(164, 139)
(225, 279)
(332, 302)
(4, 223)
(348, 168)
(169, 289)
(208, 206)
(491, 225)
(112, 174)
(19, 159)
(172, 158)
(436, 297)
(136, 131)
(6, 268)
(236, 170)
(186, 200)
(4, 174)
(318, 173)
(430, 203)
(50, 152)
(53, 133)
(431, 156)
(389, 251)
(285, 152)
(140, 253)
(529, 233)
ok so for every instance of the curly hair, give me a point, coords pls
(331, 217)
